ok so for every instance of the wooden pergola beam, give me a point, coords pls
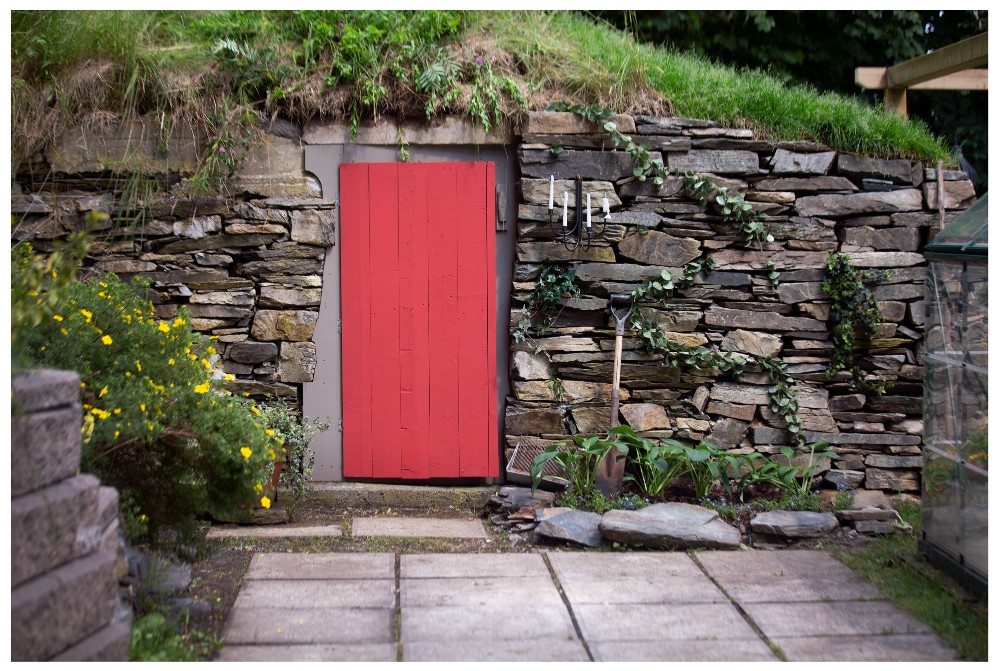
(965, 80)
(970, 53)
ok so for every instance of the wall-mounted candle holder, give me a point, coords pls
(581, 231)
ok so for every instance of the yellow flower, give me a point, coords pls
(164, 327)
(269, 432)
(258, 488)
(117, 411)
(179, 322)
(157, 387)
(254, 410)
(210, 350)
(58, 318)
(138, 366)
(230, 377)
(106, 340)
(265, 502)
(63, 331)
(117, 433)
(170, 362)
(102, 392)
(128, 373)
(202, 388)
(246, 452)
(271, 455)
(206, 364)
(142, 406)
(87, 314)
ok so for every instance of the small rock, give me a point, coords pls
(875, 526)
(670, 526)
(794, 523)
(575, 526)
(866, 515)
(845, 479)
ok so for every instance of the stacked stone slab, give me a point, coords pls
(249, 271)
(66, 561)
(880, 212)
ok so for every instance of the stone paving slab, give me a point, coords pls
(661, 622)
(283, 625)
(769, 564)
(324, 531)
(321, 566)
(641, 590)
(315, 594)
(729, 650)
(359, 652)
(892, 648)
(520, 622)
(850, 618)
(752, 589)
(472, 566)
(417, 527)
(601, 565)
(417, 592)
(495, 650)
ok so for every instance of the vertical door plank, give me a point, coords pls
(472, 300)
(492, 449)
(413, 335)
(443, 312)
(383, 257)
(355, 319)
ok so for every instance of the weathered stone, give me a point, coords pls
(847, 402)
(569, 123)
(894, 480)
(569, 164)
(898, 292)
(293, 325)
(560, 344)
(666, 142)
(297, 362)
(525, 422)
(534, 252)
(957, 195)
(862, 438)
(46, 446)
(312, 227)
(252, 352)
(751, 342)
(592, 419)
(530, 366)
(286, 266)
(575, 526)
(777, 197)
(750, 319)
(744, 394)
(105, 149)
(895, 239)
(58, 609)
(844, 479)
(536, 192)
(715, 161)
(43, 389)
(124, 266)
(803, 229)
(892, 461)
(573, 391)
(906, 404)
(866, 514)
(617, 272)
(679, 321)
(846, 205)
(693, 424)
(742, 259)
(911, 426)
(197, 227)
(875, 526)
(212, 259)
(110, 644)
(281, 297)
(48, 522)
(262, 389)
(645, 416)
(898, 170)
(728, 433)
(734, 410)
(218, 312)
(792, 163)
(647, 219)
(660, 249)
(806, 184)
(800, 292)
(884, 259)
(670, 526)
(234, 298)
(215, 242)
(671, 186)
(794, 523)
(244, 228)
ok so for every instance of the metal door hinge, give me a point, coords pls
(339, 326)
(501, 209)
(340, 425)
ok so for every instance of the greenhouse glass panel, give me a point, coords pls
(955, 474)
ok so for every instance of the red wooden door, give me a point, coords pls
(418, 320)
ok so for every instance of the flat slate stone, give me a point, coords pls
(534, 624)
(321, 566)
(506, 589)
(493, 650)
(346, 652)
(275, 623)
(670, 526)
(575, 526)
(883, 648)
(325, 531)
(832, 618)
(738, 650)
(662, 622)
(319, 594)
(794, 523)
(471, 565)
(417, 527)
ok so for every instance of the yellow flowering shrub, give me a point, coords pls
(158, 424)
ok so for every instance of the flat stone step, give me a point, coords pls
(340, 495)
(417, 527)
(324, 531)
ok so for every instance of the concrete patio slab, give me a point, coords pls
(314, 594)
(358, 652)
(741, 650)
(321, 566)
(282, 625)
(767, 564)
(892, 648)
(751, 589)
(323, 531)
(478, 591)
(520, 622)
(850, 618)
(660, 622)
(642, 590)
(418, 527)
(601, 565)
(495, 650)
(472, 565)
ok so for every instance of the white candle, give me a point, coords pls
(552, 191)
(565, 208)
(588, 210)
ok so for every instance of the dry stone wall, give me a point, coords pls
(817, 201)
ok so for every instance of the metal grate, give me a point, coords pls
(519, 466)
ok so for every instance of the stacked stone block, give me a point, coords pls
(817, 201)
(249, 271)
(66, 561)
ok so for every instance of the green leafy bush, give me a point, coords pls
(157, 424)
(295, 434)
(578, 461)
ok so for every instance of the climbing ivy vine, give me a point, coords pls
(555, 280)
